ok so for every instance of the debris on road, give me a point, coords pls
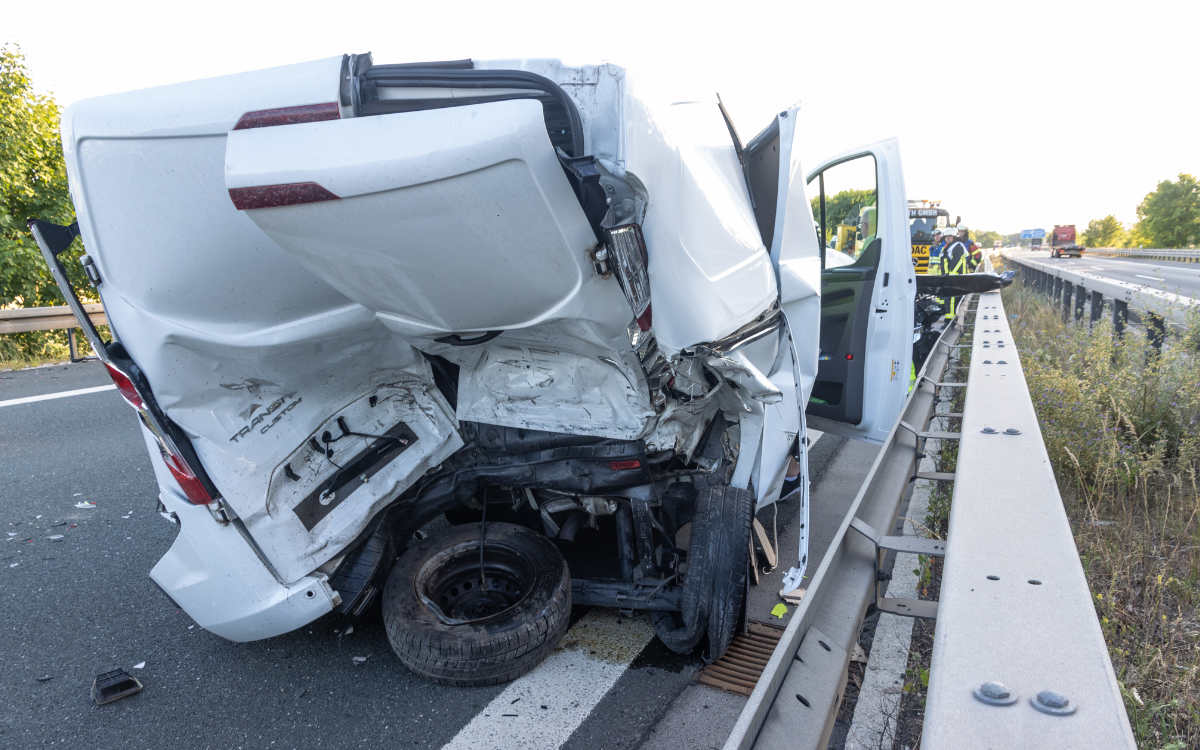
(45, 678)
(358, 659)
(85, 504)
(55, 537)
(140, 665)
(779, 610)
(113, 686)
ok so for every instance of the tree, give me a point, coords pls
(1170, 216)
(33, 183)
(1106, 232)
(986, 237)
(842, 208)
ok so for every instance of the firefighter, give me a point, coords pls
(974, 254)
(935, 251)
(954, 258)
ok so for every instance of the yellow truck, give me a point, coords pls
(924, 216)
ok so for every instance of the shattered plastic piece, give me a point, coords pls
(55, 537)
(358, 659)
(45, 678)
(140, 665)
(85, 504)
(779, 610)
(113, 686)
(14, 565)
(349, 629)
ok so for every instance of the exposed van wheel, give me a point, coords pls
(714, 590)
(444, 624)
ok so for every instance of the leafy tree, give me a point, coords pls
(842, 208)
(1170, 216)
(1106, 232)
(33, 183)
(986, 237)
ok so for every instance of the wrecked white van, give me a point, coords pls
(350, 300)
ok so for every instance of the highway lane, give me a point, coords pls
(1179, 278)
(84, 604)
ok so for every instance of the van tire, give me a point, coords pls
(484, 649)
(714, 590)
(731, 546)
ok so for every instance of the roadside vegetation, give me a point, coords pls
(1121, 423)
(33, 184)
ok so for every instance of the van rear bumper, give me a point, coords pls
(214, 575)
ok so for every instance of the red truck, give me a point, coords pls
(1062, 242)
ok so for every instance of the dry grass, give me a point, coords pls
(1122, 426)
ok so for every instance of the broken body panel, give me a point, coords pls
(363, 295)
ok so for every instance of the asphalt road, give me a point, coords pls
(1179, 278)
(84, 604)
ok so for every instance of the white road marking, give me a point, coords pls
(60, 394)
(543, 708)
(1152, 278)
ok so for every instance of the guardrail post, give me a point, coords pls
(1058, 288)
(1097, 306)
(1080, 299)
(1156, 330)
(1067, 288)
(1120, 316)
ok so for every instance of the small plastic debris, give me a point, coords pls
(76, 494)
(60, 523)
(358, 659)
(85, 504)
(55, 537)
(191, 626)
(45, 678)
(113, 686)
(779, 610)
(140, 665)
(349, 629)
(37, 516)
(13, 565)
(13, 533)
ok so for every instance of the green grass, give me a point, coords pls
(1121, 423)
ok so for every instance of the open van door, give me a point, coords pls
(868, 289)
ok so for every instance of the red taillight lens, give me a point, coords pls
(625, 465)
(191, 486)
(125, 387)
(849, 356)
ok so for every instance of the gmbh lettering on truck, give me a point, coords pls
(923, 218)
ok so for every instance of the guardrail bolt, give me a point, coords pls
(1012, 431)
(988, 430)
(995, 694)
(1055, 704)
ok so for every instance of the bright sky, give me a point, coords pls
(1015, 114)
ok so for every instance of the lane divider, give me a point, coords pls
(543, 708)
(60, 394)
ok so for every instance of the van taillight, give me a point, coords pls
(192, 487)
(125, 387)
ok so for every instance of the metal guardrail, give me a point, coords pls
(1074, 289)
(25, 319)
(1014, 607)
(1182, 256)
(795, 702)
